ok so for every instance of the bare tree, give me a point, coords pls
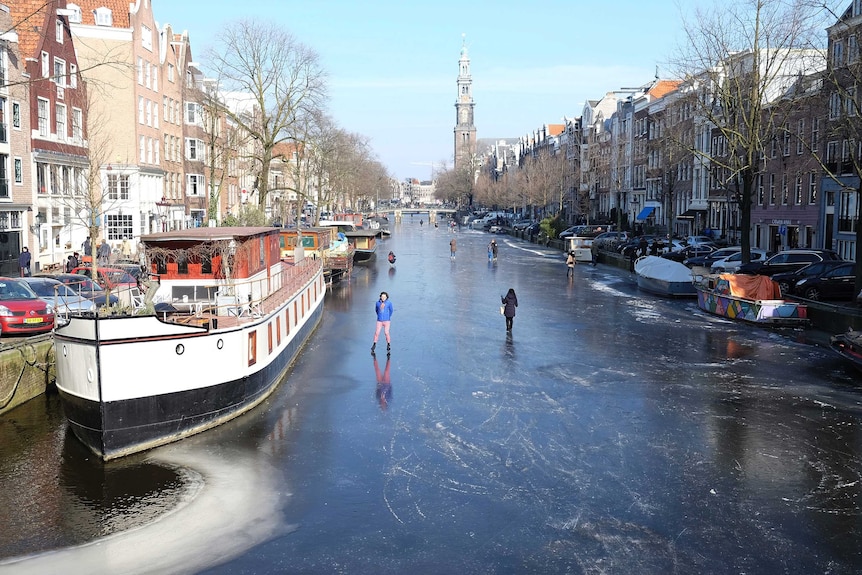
(737, 59)
(280, 75)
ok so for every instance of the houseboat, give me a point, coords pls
(364, 243)
(325, 243)
(749, 298)
(231, 317)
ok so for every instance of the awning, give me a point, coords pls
(644, 214)
(689, 214)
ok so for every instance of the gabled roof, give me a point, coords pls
(663, 87)
(29, 18)
(556, 129)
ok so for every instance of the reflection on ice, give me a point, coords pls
(231, 504)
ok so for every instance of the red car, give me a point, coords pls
(21, 310)
(108, 278)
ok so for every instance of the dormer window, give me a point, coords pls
(103, 16)
(58, 31)
(75, 16)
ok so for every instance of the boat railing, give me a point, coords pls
(253, 297)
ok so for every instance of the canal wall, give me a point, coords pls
(26, 370)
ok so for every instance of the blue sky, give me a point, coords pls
(393, 65)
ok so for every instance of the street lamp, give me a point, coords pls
(37, 224)
(163, 207)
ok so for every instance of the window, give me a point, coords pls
(252, 348)
(142, 149)
(192, 113)
(194, 149)
(42, 114)
(834, 106)
(847, 212)
(46, 65)
(146, 38)
(812, 188)
(119, 226)
(195, 185)
(149, 150)
(148, 75)
(852, 49)
(798, 191)
(58, 31)
(170, 73)
(140, 69)
(73, 76)
(118, 187)
(165, 115)
(77, 122)
(4, 176)
(838, 53)
(772, 189)
(16, 115)
(149, 110)
(784, 189)
(815, 135)
(103, 16)
(800, 140)
(60, 121)
(19, 171)
(140, 109)
(76, 16)
(155, 78)
(785, 143)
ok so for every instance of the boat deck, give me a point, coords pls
(296, 277)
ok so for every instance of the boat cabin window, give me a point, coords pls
(206, 265)
(161, 266)
(193, 293)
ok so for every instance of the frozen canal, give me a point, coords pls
(612, 432)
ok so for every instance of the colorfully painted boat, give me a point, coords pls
(232, 316)
(849, 346)
(664, 277)
(749, 298)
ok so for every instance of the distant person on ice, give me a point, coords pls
(384, 311)
(392, 258)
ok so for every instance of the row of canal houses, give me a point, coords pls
(96, 94)
(619, 167)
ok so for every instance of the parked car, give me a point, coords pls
(697, 240)
(21, 310)
(522, 224)
(689, 252)
(732, 262)
(788, 280)
(608, 241)
(65, 300)
(706, 260)
(85, 287)
(108, 278)
(788, 261)
(496, 229)
(834, 283)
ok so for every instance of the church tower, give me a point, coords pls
(465, 131)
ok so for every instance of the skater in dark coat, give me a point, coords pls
(510, 302)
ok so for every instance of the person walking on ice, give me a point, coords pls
(384, 311)
(453, 246)
(510, 302)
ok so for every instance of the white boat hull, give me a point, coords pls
(132, 383)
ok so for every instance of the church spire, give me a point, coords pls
(465, 131)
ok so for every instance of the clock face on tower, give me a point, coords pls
(462, 116)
